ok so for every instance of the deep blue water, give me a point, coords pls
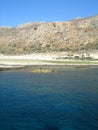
(66, 100)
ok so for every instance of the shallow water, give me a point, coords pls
(64, 100)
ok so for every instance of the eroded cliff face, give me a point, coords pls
(74, 35)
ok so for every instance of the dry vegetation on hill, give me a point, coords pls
(73, 36)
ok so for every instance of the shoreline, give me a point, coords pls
(42, 61)
(45, 68)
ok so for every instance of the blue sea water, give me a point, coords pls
(63, 100)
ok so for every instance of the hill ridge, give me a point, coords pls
(66, 36)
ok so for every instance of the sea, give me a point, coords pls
(62, 100)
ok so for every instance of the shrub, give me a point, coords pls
(77, 57)
(88, 58)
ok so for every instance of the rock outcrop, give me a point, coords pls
(71, 36)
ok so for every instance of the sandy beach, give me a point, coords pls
(19, 61)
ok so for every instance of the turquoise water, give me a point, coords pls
(64, 100)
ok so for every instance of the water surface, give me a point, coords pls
(63, 100)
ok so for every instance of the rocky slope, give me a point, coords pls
(71, 36)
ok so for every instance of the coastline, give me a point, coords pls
(42, 62)
(45, 68)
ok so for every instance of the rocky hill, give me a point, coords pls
(71, 36)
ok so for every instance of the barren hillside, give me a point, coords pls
(71, 36)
